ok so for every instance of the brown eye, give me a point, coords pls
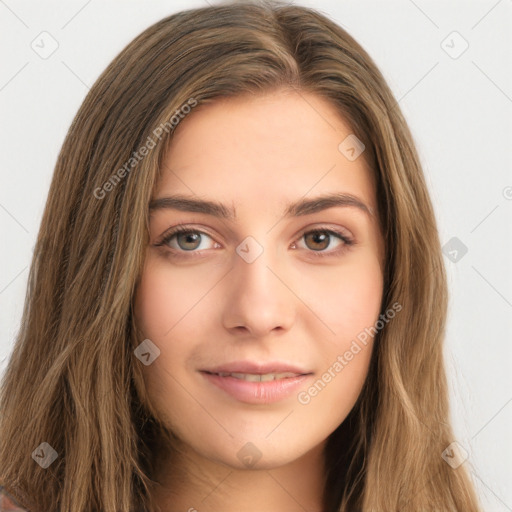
(317, 240)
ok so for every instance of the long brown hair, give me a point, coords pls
(73, 381)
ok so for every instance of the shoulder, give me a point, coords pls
(7, 502)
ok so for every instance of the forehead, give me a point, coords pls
(264, 150)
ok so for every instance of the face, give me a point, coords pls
(256, 315)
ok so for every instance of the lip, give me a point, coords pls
(257, 392)
(256, 368)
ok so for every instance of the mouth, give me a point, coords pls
(256, 377)
(254, 383)
(257, 368)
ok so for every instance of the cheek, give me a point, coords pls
(351, 309)
(163, 298)
(362, 300)
(160, 311)
(168, 312)
(349, 300)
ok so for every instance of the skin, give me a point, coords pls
(257, 153)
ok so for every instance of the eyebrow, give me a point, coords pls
(296, 209)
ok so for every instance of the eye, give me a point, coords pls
(187, 239)
(320, 238)
(181, 240)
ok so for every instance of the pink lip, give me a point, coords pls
(257, 392)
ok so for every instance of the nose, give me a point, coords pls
(259, 300)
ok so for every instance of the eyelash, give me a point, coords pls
(182, 228)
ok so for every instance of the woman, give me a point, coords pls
(255, 370)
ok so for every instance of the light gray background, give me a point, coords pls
(460, 113)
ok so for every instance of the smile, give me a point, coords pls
(253, 388)
(255, 377)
